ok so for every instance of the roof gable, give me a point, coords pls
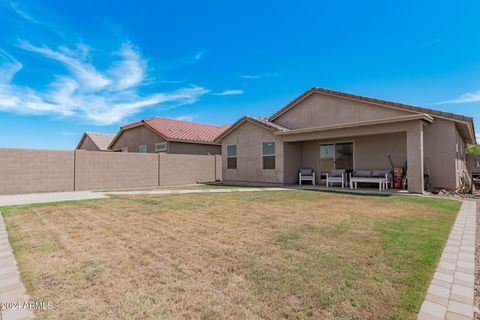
(316, 110)
(382, 106)
(101, 140)
(262, 122)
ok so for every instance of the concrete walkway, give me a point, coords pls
(18, 199)
(451, 292)
(32, 198)
(12, 290)
(183, 191)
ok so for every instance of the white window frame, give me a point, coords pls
(235, 156)
(142, 146)
(157, 149)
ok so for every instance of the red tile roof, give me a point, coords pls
(173, 129)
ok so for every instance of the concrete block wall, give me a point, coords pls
(178, 169)
(34, 171)
(95, 170)
(31, 171)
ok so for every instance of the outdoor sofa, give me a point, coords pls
(382, 177)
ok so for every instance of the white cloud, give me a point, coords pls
(102, 97)
(199, 55)
(228, 93)
(171, 81)
(13, 6)
(261, 76)
(9, 67)
(468, 97)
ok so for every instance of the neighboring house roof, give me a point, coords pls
(101, 140)
(263, 122)
(178, 130)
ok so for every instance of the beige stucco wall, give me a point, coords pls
(178, 169)
(108, 170)
(135, 137)
(193, 148)
(439, 148)
(30, 171)
(293, 161)
(88, 144)
(249, 137)
(321, 110)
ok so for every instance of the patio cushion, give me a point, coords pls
(380, 173)
(337, 173)
(363, 173)
(306, 172)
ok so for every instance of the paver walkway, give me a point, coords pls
(12, 290)
(450, 295)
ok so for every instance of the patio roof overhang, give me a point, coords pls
(371, 127)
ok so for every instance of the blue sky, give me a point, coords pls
(69, 67)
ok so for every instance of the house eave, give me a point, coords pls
(241, 121)
(418, 117)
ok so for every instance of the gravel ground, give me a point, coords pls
(477, 265)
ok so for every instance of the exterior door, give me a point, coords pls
(336, 156)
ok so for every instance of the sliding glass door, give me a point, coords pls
(327, 157)
(336, 156)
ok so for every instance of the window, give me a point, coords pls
(161, 147)
(142, 149)
(268, 152)
(125, 149)
(232, 156)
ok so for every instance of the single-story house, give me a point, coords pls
(158, 134)
(324, 130)
(94, 141)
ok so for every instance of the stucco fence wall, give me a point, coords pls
(32, 171)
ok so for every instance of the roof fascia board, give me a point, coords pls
(237, 124)
(423, 117)
(81, 140)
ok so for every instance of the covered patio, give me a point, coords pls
(358, 146)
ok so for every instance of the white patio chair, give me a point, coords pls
(337, 176)
(306, 175)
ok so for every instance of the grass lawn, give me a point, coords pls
(199, 186)
(274, 255)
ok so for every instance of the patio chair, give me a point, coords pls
(306, 175)
(338, 175)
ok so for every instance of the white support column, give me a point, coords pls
(415, 157)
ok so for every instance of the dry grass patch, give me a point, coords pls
(291, 254)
